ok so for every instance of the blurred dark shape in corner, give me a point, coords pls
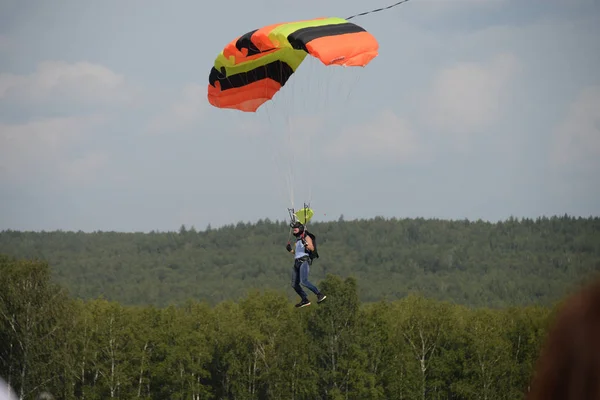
(568, 367)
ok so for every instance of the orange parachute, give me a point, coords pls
(252, 68)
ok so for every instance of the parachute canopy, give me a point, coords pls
(304, 215)
(252, 68)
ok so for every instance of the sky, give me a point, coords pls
(477, 109)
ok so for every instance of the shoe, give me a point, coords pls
(303, 303)
(321, 297)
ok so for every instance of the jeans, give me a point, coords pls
(300, 277)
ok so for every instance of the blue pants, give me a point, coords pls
(300, 277)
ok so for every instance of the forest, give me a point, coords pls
(260, 347)
(475, 263)
(416, 309)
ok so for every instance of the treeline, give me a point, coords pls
(476, 263)
(260, 347)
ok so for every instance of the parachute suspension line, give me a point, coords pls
(291, 121)
(324, 85)
(291, 157)
(292, 220)
(352, 87)
(378, 9)
(291, 212)
(282, 137)
(308, 167)
(290, 154)
(280, 153)
(273, 144)
(306, 207)
(299, 138)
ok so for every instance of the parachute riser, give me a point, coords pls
(294, 217)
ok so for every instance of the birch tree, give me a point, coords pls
(32, 310)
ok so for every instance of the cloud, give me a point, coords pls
(182, 114)
(59, 81)
(5, 43)
(467, 97)
(576, 141)
(44, 149)
(386, 138)
(455, 6)
(82, 170)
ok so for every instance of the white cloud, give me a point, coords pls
(56, 149)
(577, 138)
(61, 81)
(183, 114)
(387, 138)
(42, 148)
(82, 170)
(468, 97)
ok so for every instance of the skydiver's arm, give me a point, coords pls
(308, 243)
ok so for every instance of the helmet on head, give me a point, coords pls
(299, 225)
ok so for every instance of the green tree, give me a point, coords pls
(33, 311)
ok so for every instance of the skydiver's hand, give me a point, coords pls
(288, 247)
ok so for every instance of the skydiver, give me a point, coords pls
(302, 260)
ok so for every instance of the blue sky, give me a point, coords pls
(473, 109)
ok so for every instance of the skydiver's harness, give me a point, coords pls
(299, 261)
(311, 254)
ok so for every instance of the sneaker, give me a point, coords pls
(321, 297)
(303, 303)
